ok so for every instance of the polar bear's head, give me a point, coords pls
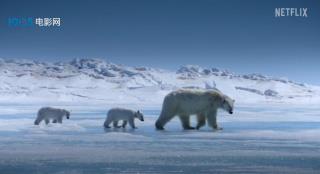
(139, 115)
(67, 114)
(227, 104)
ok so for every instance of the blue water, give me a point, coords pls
(82, 145)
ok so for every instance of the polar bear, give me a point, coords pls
(48, 113)
(203, 103)
(126, 115)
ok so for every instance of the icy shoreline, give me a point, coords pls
(254, 140)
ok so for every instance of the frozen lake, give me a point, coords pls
(254, 140)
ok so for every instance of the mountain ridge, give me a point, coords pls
(81, 79)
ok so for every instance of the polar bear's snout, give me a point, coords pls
(227, 104)
(231, 110)
(139, 115)
(68, 114)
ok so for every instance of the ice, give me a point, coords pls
(254, 140)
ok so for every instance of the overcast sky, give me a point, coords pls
(241, 36)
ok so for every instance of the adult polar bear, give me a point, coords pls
(189, 102)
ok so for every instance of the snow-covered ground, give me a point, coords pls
(254, 140)
(102, 82)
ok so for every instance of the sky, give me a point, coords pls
(240, 36)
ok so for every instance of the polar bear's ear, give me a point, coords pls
(138, 112)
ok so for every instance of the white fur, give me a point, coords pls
(54, 114)
(126, 115)
(184, 103)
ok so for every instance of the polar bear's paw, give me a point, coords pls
(159, 127)
(189, 128)
(217, 128)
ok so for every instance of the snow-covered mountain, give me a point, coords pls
(96, 80)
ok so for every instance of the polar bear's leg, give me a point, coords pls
(124, 123)
(39, 118)
(212, 120)
(201, 118)
(185, 121)
(115, 124)
(59, 119)
(37, 121)
(47, 120)
(107, 123)
(162, 120)
(55, 121)
(166, 115)
(131, 123)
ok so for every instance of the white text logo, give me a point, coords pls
(292, 12)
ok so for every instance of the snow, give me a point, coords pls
(102, 82)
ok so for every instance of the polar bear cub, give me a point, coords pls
(203, 103)
(125, 115)
(54, 114)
